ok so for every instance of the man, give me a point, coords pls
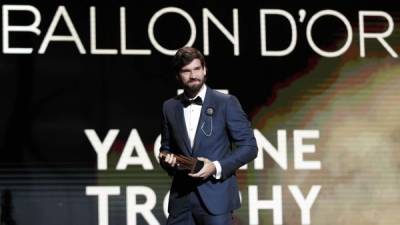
(204, 124)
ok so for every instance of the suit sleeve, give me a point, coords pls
(165, 141)
(242, 136)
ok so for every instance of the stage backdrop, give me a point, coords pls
(82, 84)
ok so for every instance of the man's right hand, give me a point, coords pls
(170, 159)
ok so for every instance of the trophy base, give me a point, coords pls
(197, 167)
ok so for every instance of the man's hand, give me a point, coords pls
(170, 159)
(207, 170)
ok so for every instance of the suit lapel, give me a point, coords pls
(180, 119)
(199, 133)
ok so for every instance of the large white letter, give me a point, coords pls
(339, 16)
(305, 204)
(61, 12)
(278, 155)
(156, 149)
(103, 193)
(7, 28)
(145, 208)
(101, 149)
(93, 48)
(263, 30)
(124, 50)
(379, 36)
(165, 11)
(275, 204)
(165, 205)
(134, 142)
(234, 38)
(300, 149)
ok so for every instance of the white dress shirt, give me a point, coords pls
(192, 116)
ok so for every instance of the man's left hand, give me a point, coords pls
(207, 170)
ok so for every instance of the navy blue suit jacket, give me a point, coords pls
(224, 135)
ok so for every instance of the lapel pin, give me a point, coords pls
(210, 111)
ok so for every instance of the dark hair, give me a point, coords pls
(184, 56)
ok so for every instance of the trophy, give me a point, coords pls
(185, 162)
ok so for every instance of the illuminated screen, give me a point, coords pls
(83, 85)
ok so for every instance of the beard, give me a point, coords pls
(193, 86)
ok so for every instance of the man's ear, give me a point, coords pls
(205, 71)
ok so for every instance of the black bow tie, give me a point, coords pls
(186, 102)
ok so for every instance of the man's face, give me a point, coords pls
(192, 76)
